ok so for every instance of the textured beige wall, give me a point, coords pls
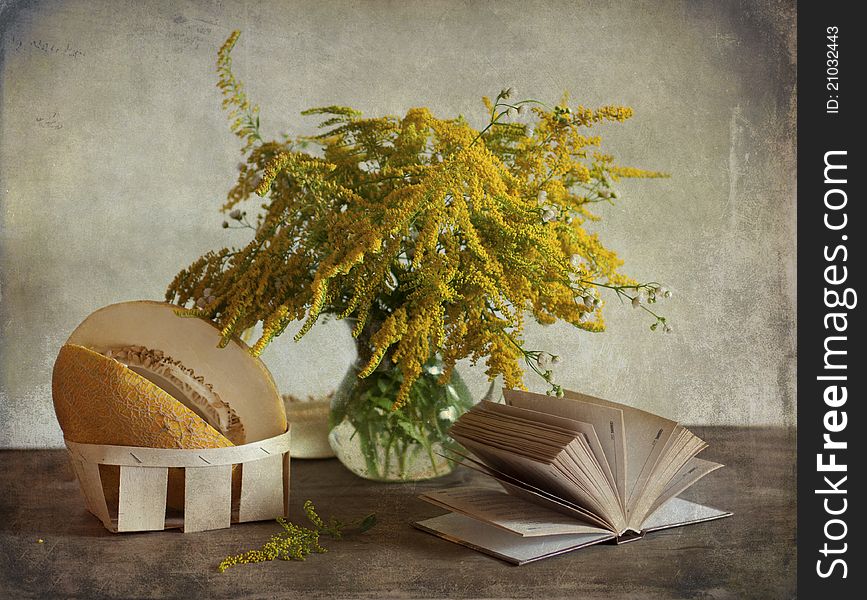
(114, 157)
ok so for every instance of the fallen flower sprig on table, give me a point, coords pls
(297, 542)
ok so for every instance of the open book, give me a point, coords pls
(572, 472)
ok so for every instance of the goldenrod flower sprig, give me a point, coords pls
(432, 236)
(244, 116)
(297, 542)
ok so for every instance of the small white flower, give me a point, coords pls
(523, 115)
(582, 318)
(556, 360)
(576, 260)
(549, 215)
(636, 302)
(235, 214)
(543, 196)
(530, 131)
(448, 414)
(543, 360)
(589, 301)
(667, 293)
(667, 328)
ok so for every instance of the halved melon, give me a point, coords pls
(136, 374)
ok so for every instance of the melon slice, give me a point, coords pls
(99, 400)
(183, 385)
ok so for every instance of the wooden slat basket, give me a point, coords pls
(208, 497)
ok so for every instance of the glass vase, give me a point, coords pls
(375, 442)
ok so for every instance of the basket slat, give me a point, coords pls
(207, 498)
(286, 472)
(260, 498)
(142, 498)
(91, 486)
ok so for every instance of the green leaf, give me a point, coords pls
(367, 522)
(452, 394)
(410, 430)
(382, 402)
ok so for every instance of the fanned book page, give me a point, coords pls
(572, 472)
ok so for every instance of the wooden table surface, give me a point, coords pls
(750, 555)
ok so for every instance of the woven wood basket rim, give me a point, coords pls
(136, 456)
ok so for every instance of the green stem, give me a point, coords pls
(388, 447)
(495, 118)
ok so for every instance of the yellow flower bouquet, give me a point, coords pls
(435, 240)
